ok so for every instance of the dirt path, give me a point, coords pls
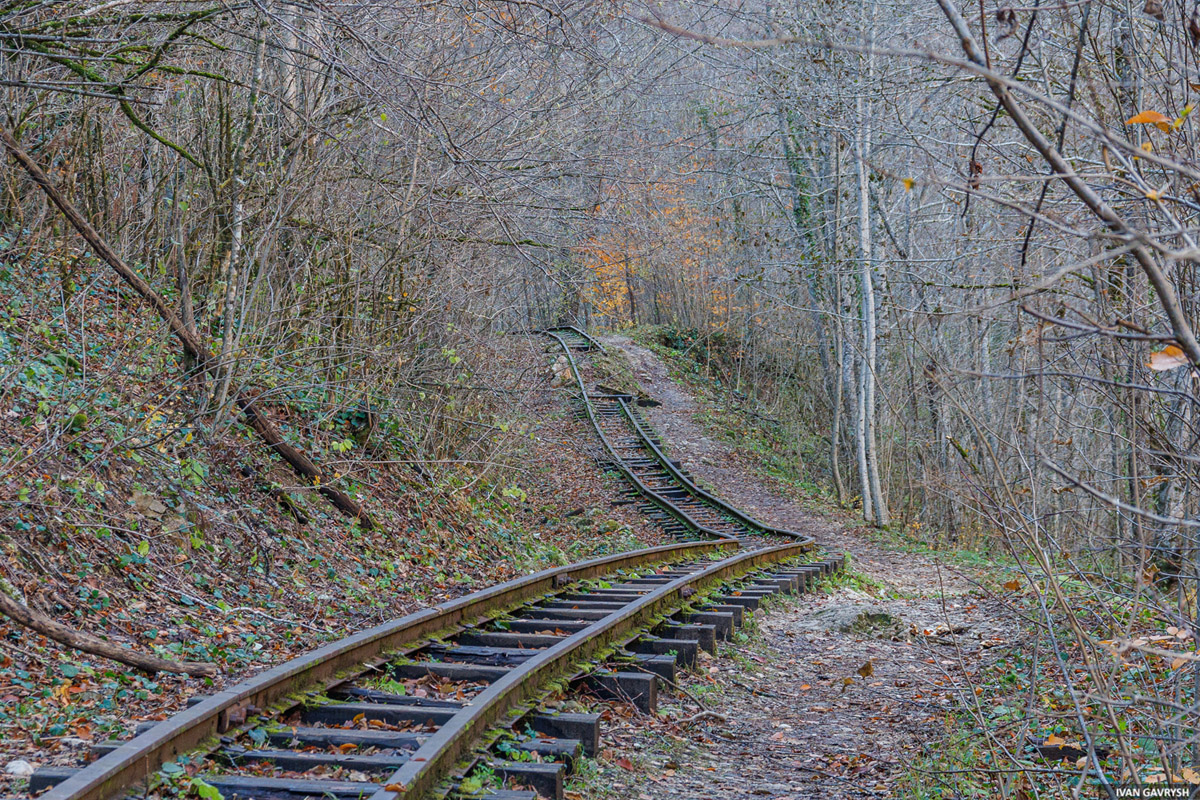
(839, 692)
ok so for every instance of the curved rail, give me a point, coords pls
(642, 488)
(708, 497)
(429, 763)
(578, 332)
(328, 666)
(611, 616)
(665, 463)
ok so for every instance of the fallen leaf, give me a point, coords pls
(1053, 741)
(1013, 585)
(1170, 357)
(867, 669)
(1150, 118)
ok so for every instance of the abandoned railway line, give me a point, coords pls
(667, 492)
(461, 696)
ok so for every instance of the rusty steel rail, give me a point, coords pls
(437, 755)
(328, 666)
(662, 502)
(570, 332)
(597, 619)
(646, 441)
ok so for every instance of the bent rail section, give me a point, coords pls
(688, 485)
(508, 657)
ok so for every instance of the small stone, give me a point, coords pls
(19, 768)
(148, 504)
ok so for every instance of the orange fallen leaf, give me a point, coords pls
(1013, 585)
(1160, 121)
(1170, 357)
(393, 787)
(1147, 117)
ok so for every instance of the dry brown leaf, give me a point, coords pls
(1170, 357)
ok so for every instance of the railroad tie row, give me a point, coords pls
(360, 728)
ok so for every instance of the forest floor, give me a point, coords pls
(245, 607)
(836, 694)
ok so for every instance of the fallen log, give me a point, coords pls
(87, 643)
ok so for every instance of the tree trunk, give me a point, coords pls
(874, 509)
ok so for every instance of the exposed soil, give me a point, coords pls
(838, 692)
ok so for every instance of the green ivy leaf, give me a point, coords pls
(206, 791)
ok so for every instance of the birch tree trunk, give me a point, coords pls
(874, 509)
(233, 274)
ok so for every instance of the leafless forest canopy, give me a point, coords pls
(949, 249)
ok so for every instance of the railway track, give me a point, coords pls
(667, 492)
(452, 700)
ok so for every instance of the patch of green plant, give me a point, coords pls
(850, 578)
(957, 765)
